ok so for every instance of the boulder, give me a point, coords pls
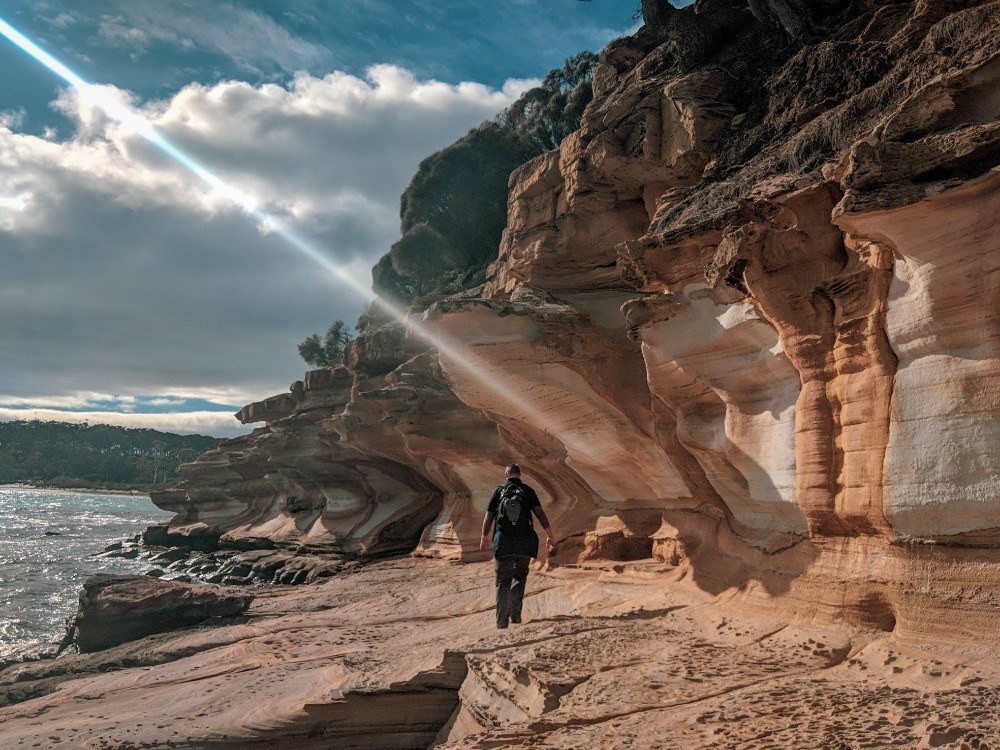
(116, 609)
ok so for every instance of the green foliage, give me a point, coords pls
(548, 113)
(389, 284)
(329, 350)
(81, 455)
(454, 211)
(419, 251)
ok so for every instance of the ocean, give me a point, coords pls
(40, 574)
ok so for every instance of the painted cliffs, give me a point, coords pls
(745, 321)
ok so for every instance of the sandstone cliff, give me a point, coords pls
(742, 334)
(745, 321)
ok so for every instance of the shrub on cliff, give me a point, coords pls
(330, 349)
(548, 113)
(455, 208)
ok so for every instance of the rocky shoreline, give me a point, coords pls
(247, 563)
(209, 558)
(116, 609)
(204, 584)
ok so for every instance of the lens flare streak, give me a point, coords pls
(454, 353)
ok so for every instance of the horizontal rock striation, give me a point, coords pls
(748, 313)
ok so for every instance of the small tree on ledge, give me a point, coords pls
(329, 350)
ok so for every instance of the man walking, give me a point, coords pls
(515, 541)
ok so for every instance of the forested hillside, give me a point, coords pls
(81, 455)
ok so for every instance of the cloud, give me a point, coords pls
(114, 29)
(80, 400)
(166, 401)
(123, 273)
(63, 20)
(182, 414)
(12, 118)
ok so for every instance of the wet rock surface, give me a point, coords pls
(246, 562)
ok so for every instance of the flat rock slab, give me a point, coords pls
(406, 654)
(117, 609)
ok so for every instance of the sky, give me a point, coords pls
(134, 294)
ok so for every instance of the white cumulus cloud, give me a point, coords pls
(124, 273)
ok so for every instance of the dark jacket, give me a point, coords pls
(506, 544)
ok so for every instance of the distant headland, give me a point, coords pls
(91, 457)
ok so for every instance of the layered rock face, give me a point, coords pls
(301, 483)
(744, 321)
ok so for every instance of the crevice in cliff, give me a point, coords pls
(865, 370)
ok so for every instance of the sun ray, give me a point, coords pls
(455, 354)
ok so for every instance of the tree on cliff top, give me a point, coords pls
(548, 113)
(452, 213)
(454, 210)
(330, 349)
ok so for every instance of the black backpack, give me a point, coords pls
(513, 512)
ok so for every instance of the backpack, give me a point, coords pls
(513, 513)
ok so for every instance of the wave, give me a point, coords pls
(40, 574)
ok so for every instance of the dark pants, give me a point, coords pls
(512, 575)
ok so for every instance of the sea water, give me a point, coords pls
(41, 573)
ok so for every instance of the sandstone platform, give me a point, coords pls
(404, 654)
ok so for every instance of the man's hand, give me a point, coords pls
(484, 543)
(550, 544)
